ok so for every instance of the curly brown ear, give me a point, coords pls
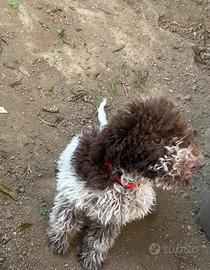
(110, 139)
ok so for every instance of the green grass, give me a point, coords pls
(14, 4)
(43, 209)
(114, 87)
(140, 79)
(60, 32)
(199, 2)
(50, 88)
(154, 63)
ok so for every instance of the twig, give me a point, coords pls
(47, 123)
(125, 89)
(105, 11)
(12, 68)
(98, 75)
(45, 27)
(72, 8)
(9, 67)
(65, 41)
(80, 94)
(76, 97)
(58, 120)
(50, 110)
(79, 90)
(85, 46)
(16, 82)
(87, 101)
(52, 124)
(119, 49)
(2, 39)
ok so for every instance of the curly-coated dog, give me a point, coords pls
(109, 174)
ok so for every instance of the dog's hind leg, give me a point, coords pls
(102, 114)
(65, 222)
(99, 239)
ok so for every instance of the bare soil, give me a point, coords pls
(119, 49)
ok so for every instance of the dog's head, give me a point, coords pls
(151, 138)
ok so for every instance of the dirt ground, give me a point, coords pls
(57, 60)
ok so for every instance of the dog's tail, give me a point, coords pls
(102, 114)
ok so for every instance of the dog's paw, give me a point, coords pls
(91, 260)
(59, 244)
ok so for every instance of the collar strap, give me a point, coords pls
(108, 168)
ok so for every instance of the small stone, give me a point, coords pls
(78, 29)
(31, 99)
(12, 158)
(187, 98)
(21, 190)
(185, 195)
(2, 259)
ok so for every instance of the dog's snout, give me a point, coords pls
(192, 166)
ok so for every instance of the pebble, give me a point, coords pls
(78, 29)
(185, 195)
(21, 190)
(2, 259)
(187, 98)
(12, 158)
(31, 99)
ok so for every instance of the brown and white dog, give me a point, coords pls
(109, 174)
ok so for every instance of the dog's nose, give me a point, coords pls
(192, 165)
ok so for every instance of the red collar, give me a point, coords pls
(108, 168)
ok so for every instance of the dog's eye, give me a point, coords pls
(157, 141)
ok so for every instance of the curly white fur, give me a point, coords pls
(109, 209)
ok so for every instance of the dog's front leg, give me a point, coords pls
(96, 243)
(65, 222)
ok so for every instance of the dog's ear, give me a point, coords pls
(112, 139)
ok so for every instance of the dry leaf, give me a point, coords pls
(7, 191)
(24, 226)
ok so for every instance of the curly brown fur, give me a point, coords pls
(134, 140)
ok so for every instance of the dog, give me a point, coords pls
(109, 174)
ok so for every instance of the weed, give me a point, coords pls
(50, 88)
(140, 79)
(43, 209)
(199, 2)
(14, 4)
(60, 32)
(114, 87)
(154, 63)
